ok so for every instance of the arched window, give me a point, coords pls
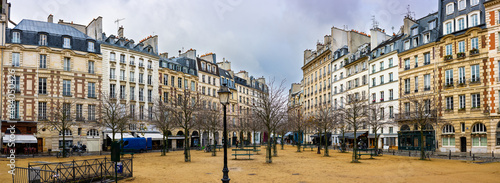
(93, 133)
(478, 128)
(405, 128)
(448, 129)
(66, 133)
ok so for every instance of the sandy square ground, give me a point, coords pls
(291, 166)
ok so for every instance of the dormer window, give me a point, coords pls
(42, 40)
(461, 5)
(90, 46)
(414, 31)
(450, 8)
(474, 2)
(16, 37)
(66, 42)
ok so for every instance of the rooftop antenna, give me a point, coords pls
(409, 13)
(117, 21)
(374, 22)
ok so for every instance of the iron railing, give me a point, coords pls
(91, 170)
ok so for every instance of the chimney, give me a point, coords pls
(50, 19)
(120, 32)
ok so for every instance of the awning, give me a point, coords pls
(21, 139)
(153, 136)
(119, 136)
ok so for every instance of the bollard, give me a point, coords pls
(449, 156)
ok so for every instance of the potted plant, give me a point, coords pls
(448, 57)
(474, 51)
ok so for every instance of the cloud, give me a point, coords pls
(265, 38)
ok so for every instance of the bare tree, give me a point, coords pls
(419, 110)
(270, 110)
(356, 113)
(377, 120)
(210, 119)
(114, 115)
(297, 123)
(185, 107)
(60, 118)
(325, 122)
(162, 119)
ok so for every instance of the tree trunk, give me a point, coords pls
(422, 150)
(187, 157)
(163, 150)
(355, 149)
(326, 144)
(269, 145)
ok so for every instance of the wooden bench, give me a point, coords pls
(247, 153)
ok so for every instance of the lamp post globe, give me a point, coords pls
(224, 94)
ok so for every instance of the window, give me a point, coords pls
(407, 86)
(67, 64)
(474, 2)
(474, 21)
(122, 92)
(141, 94)
(42, 85)
(449, 27)
(449, 77)
(91, 67)
(427, 37)
(92, 133)
(461, 102)
(91, 47)
(474, 43)
(132, 93)
(112, 90)
(66, 42)
(476, 102)
(15, 60)
(122, 75)
(42, 40)
(91, 90)
(132, 77)
(427, 58)
(67, 87)
(474, 72)
(150, 95)
(416, 83)
(42, 110)
(141, 78)
(416, 61)
(427, 82)
(79, 112)
(16, 37)
(461, 47)
(407, 64)
(448, 141)
(450, 8)
(449, 50)
(449, 103)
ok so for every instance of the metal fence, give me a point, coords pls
(91, 170)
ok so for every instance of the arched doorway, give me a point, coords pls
(195, 142)
(180, 142)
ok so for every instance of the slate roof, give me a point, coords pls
(51, 28)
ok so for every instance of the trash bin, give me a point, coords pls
(119, 167)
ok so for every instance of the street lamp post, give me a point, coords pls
(224, 94)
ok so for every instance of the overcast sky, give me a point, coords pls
(266, 38)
